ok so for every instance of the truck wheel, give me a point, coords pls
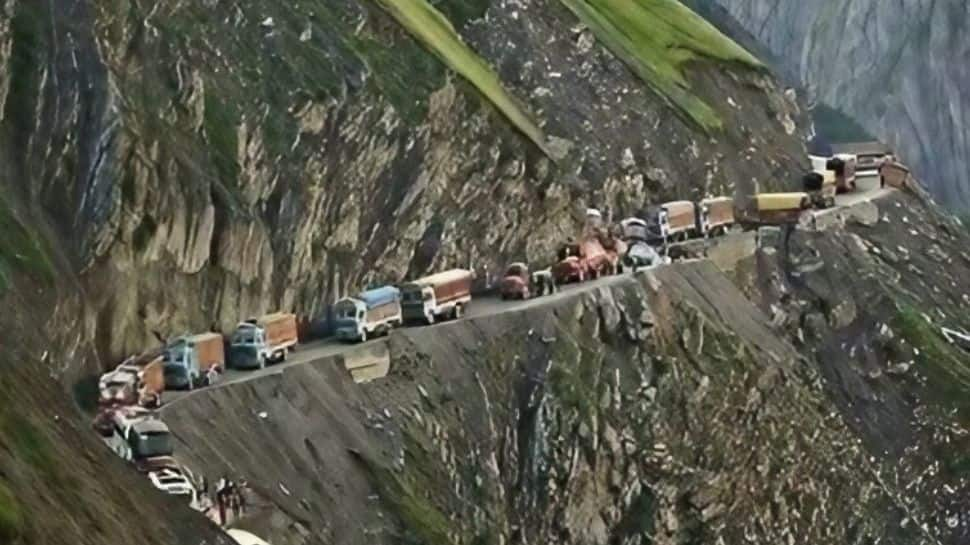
(363, 335)
(458, 311)
(262, 361)
(191, 385)
(430, 319)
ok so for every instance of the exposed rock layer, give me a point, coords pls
(894, 66)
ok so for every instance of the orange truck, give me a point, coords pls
(195, 360)
(716, 215)
(264, 340)
(677, 218)
(441, 295)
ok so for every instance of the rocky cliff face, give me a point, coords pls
(893, 66)
(173, 166)
(194, 163)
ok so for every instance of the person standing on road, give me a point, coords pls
(221, 499)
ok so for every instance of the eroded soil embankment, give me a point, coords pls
(662, 405)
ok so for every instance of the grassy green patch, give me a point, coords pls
(20, 250)
(947, 373)
(11, 516)
(432, 28)
(656, 39)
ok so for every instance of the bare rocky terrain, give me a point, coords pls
(171, 167)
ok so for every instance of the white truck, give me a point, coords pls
(442, 295)
(259, 341)
(370, 313)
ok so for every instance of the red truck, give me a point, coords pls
(515, 282)
(579, 262)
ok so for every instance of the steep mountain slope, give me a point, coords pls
(657, 409)
(168, 166)
(897, 67)
(197, 162)
(868, 303)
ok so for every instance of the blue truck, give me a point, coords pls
(368, 314)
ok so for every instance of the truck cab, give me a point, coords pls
(248, 346)
(418, 302)
(140, 437)
(181, 367)
(351, 314)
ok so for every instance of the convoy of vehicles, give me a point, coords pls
(439, 296)
(369, 313)
(134, 432)
(194, 360)
(258, 342)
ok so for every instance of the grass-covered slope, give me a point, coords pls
(433, 29)
(656, 39)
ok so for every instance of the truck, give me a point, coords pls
(194, 360)
(677, 218)
(260, 341)
(821, 188)
(615, 248)
(581, 261)
(515, 282)
(636, 229)
(893, 174)
(844, 168)
(441, 295)
(715, 215)
(777, 208)
(369, 313)
(138, 437)
(138, 380)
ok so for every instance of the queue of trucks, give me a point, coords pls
(128, 393)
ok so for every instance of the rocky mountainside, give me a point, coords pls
(173, 166)
(199, 162)
(895, 66)
(803, 386)
(658, 410)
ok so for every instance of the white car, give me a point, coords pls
(174, 483)
(245, 538)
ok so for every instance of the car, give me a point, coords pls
(175, 483)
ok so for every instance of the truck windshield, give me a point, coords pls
(246, 337)
(147, 445)
(411, 297)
